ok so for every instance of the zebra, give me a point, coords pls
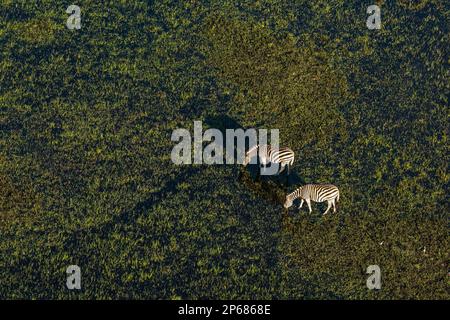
(267, 154)
(316, 193)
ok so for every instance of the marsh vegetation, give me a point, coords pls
(86, 177)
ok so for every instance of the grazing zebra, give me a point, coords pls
(316, 193)
(268, 154)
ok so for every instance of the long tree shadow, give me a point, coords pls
(269, 187)
(128, 217)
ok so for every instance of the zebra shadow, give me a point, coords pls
(274, 185)
(289, 181)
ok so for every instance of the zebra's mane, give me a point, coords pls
(295, 193)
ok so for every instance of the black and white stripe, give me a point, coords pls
(268, 154)
(316, 193)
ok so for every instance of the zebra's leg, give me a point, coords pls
(258, 171)
(329, 206)
(301, 204)
(308, 201)
(287, 176)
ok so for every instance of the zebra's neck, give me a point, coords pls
(294, 195)
(253, 150)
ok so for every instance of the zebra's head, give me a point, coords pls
(250, 153)
(288, 201)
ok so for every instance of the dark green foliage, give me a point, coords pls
(86, 177)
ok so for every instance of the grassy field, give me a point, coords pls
(86, 178)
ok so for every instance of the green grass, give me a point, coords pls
(86, 178)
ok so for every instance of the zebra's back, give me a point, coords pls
(281, 155)
(321, 192)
